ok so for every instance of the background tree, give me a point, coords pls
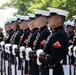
(25, 6)
(21, 5)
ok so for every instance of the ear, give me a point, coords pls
(58, 19)
(48, 20)
(41, 19)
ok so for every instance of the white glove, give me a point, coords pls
(2, 44)
(38, 62)
(9, 48)
(69, 52)
(38, 53)
(27, 50)
(6, 48)
(74, 52)
(13, 49)
(22, 48)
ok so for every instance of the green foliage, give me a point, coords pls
(21, 5)
(25, 6)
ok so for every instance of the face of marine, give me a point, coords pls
(1, 30)
(54, 21)
(69, 29)
(40, 21)
(23, 25)
(14, 25)
(75, 25)
(31, 24)
(8, 27)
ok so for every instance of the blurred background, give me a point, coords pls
(9, 8)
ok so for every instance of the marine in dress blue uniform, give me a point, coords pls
(34, 30)
(32, 36)
(75, 28)
(12, 57)
(1, 34)
(55, 47)
(70, 32)
(24, 38)
(9, 34)
(40, 38)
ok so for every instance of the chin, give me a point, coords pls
(50, 26)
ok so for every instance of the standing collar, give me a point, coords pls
(57, 28)
(43, 28)
(26, 29)
(71, 32)
(35, 29)
(10, 30)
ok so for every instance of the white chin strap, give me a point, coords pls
(22, 48)
(13, 49)
(27, 50)
(38, 52)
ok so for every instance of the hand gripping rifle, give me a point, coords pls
(14, 47)
(15, 60)
(22, 56)
(74, 53)
(29, 37)
(9, 59)
(2, 55)
(12, 61)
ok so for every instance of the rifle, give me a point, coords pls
(74, 39)
(1, 64)
(75, 67)
(9, 60)
(2, 59)
(75, 54)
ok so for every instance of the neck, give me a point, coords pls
(24, 28)
(33, 27)
(0, 32)
(57, 25)
(9, 29)
(41, 26)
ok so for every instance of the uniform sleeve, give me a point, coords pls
(25, 38)
(8, 39)
(32, 39)
(17, 38)
(58, 47)
(42, 37)
(1, 37)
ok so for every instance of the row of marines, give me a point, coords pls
(39, 44)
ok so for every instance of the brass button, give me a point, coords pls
(45, 66)
(34, 54)
(42, 57)
(46, 58)
(31, 54)
(48, 65)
